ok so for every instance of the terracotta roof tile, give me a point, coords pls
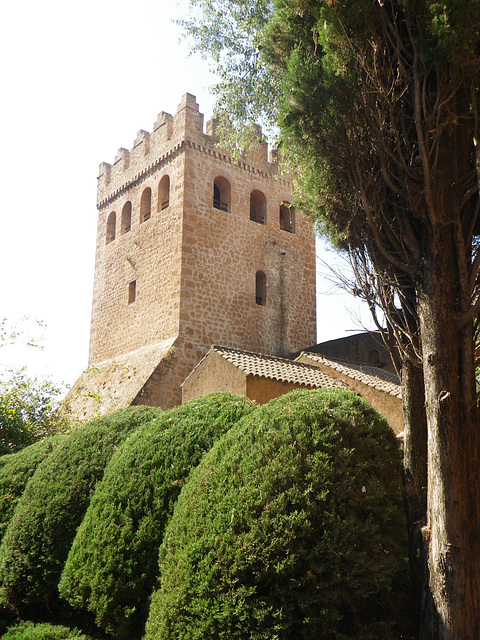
(369, 375)
(276, 368)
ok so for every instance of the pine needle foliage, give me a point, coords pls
(378, 107)
(16, 469)
(43, 631)
(291, 527)
(39, 536)
(113, 564)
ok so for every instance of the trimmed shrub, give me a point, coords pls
(16, 469)
(7, 616)
(39, 536)
(113, 563)
(291, 527)
(43, 631)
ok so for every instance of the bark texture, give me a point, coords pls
(415, 475)
(452, 525)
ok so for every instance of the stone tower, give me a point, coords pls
(193, 248)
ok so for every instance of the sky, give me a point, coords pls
(78, 81)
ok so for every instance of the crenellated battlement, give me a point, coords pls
(195, 246)
(164, 120)
(170, 135)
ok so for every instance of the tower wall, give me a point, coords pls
(150, 253)
(223, 250)
(186, 275)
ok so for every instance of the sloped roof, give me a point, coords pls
(114, 384)
(369, 375)
(275, 368)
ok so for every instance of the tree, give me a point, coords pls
(28, 411)
(29, 408)
(378, 106)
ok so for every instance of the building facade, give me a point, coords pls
(193, 248)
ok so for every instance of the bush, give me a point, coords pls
(113, 563)
(15, 471)
(39, 536)
(28, 411)
(291, 527)
(43, 631)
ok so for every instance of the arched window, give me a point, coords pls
(146, 205)
(373, 357)
(164, 193)
(287, 217)
(221, 194)
(258, 207)
(126, 218)
(260, 288)
(111, 224)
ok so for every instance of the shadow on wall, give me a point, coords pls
(364, 348)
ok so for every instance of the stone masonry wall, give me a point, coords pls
(149, 254)
(193, 265)
(223, 250)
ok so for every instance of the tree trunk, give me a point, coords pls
(415, 476)
(453, 524)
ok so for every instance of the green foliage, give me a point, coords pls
(229, 36)
(337, 80)
(291, 527)
(15, 471)
(28, 411)
(450, 28)
(112, 565)
(39, 536)
(43, 631)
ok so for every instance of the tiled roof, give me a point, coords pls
(369, 375)
(276, 368)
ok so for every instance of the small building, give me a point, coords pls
(256, 376)
(379, 387)
(262, 377)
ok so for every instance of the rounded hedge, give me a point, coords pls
(16, 469)
(39, 536)
(43, 631)
(113, 563)
(291, 527)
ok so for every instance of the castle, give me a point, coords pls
(194, 248)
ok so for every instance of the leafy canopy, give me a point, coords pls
(302, 65)
(228, 34)
(28, 411)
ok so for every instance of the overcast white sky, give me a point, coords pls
(78, 80)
